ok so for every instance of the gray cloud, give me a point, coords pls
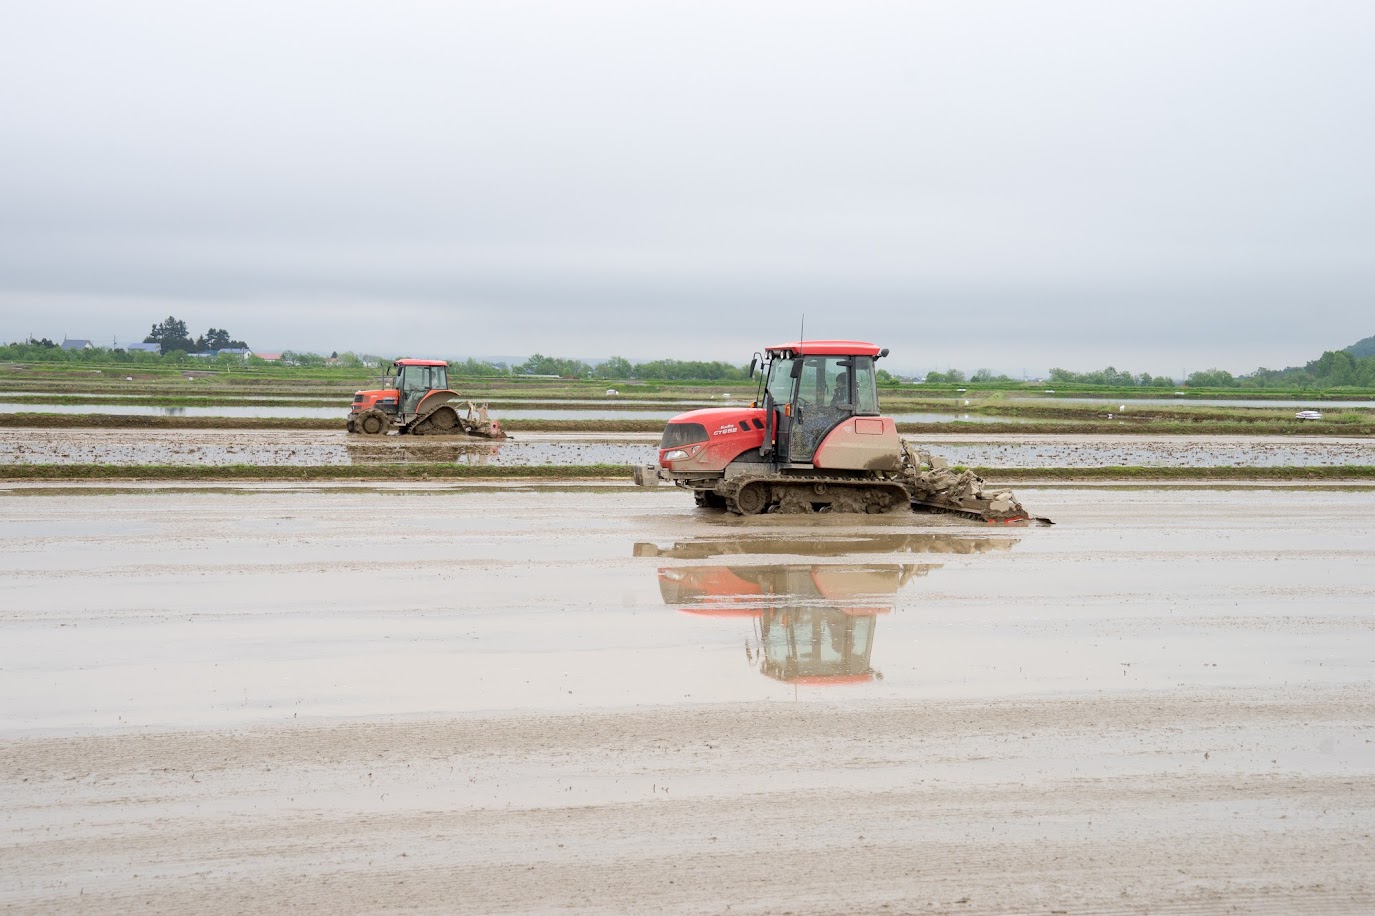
(1153, 185)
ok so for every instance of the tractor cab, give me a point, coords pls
(405, 387)
(811, 387)
(415, 378)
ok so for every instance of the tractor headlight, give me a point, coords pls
(678, 454)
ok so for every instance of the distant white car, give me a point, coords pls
(1308, 415)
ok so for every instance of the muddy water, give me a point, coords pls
(494, 699)
(339, 410)
(270, 607)
(274, 447)
(1317, 404)
(508, 413)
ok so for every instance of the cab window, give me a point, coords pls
(866, 392)
(826, 381)
(423, 378)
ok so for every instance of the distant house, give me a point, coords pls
(203, 354)
(75, 344)
(269, 357)
(241, 352)
(143, 348)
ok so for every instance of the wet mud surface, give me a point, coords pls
(490, 699)
(558, 412)
(314, 447)
(308, 448)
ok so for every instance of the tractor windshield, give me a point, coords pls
(834, 382)
(780, 385)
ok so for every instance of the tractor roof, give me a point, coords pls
(421, 362)
(827, 348)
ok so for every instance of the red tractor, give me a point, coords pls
(418, 401)
(814, 441)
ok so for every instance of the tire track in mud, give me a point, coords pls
(686, 728)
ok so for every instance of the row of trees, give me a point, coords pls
(618, 367)
(172, 335)
(1334, 369)
(956, 377)
(1110, 377)
(45, 351)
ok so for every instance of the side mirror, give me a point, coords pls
(796, 371)
(882, 353)
(754, 363)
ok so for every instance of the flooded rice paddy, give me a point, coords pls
(1277, 404)
(313, 447)
(546, 412)
(496, 698)
(216, 609)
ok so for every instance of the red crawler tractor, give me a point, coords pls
(418, 401)
(814, 441)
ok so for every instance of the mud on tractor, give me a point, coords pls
(814, 441)
(417, 400)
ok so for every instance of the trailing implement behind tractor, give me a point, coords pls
(814, 441)
(418, 401)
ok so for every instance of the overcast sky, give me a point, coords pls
(1156, 185)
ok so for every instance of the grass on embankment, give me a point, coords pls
(1134, 414)
(308, 472)
(119, 421)
(603, 471)
(335, 403)
(1121, 472)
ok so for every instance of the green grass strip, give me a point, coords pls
(604, 471)
(1119, 472)
(538, 425)
(120, 421)
(1153, 428)
(310, 472)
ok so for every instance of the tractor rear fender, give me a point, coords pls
(861, 444)
(434, 399)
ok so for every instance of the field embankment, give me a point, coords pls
(443, 471)
(1164, 427)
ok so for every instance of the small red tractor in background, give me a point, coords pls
(418, 401)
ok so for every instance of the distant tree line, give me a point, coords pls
(1353, 367)
(172, 334)
(956, 377)
(617, 367)
(1334, 369)
(45, 351)
(1110, 377)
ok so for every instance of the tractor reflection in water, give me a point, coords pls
(392, 450)
(814, 622)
